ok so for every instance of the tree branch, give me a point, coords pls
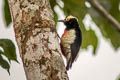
(103, 12)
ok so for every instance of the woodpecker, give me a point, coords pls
(71, 40)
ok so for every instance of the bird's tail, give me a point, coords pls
(69, 64)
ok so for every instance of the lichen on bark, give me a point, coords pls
(37, 39)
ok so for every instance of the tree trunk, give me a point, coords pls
(37, 39)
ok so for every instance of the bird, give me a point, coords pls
(71, 40)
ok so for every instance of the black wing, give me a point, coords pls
(75, 47)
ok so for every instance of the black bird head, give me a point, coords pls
(70, 21)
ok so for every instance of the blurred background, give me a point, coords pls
(99, 57)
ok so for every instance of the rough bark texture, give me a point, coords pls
(37, 40)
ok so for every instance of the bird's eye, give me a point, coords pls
(71, 21)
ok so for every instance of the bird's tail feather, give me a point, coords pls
(69, 64)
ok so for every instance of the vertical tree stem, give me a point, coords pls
(37, 41)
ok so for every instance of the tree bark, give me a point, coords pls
(37, 39)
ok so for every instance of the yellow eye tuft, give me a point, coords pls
(70, 17)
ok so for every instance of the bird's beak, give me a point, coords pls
(61, 20)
